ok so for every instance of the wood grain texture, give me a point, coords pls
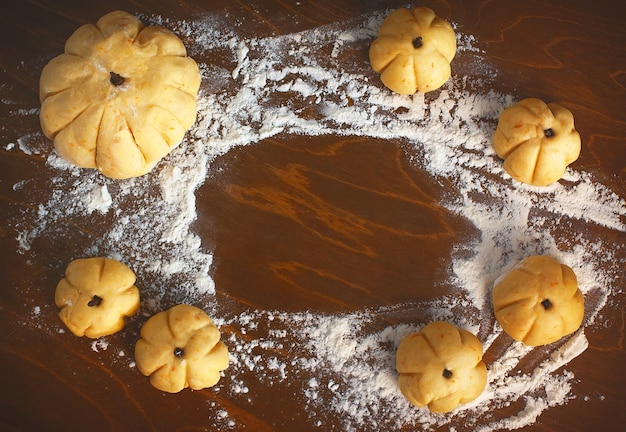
(329, 214)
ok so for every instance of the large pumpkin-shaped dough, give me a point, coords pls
(413, 51)
(538, 302)
(120, 97)
(181, 348)
(96, 295)
(537, 141)
(441, 367)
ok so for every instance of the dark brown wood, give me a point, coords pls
(571, 52)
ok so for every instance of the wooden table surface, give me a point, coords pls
(274, 238)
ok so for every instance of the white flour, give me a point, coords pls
(345, 362)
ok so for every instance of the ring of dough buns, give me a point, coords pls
(181, 348)
(537, 141)
(413, 51)
(441, 367)
(95, 296)
(538, 302)
(120, 97)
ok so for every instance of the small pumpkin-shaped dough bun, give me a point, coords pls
(441, 367)
(538, 302)
(181, 348)
(537, 141)
(96, 295)
(413, 50)
(120, 97)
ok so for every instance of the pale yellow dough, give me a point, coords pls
(120, 97)
(413, 51)
(441, 367)
(537, 141)
(96, 295)
(538, 302)
(181, 348)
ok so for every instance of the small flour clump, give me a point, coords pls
(343, 364)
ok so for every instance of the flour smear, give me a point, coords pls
(344, 363)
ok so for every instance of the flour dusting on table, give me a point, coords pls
(345, 362)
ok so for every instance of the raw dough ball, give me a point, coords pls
(96, 295)
(536, 141)
(538, 302)
(181, 348)
(413, 51)
(120, 97)
(441, 367)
